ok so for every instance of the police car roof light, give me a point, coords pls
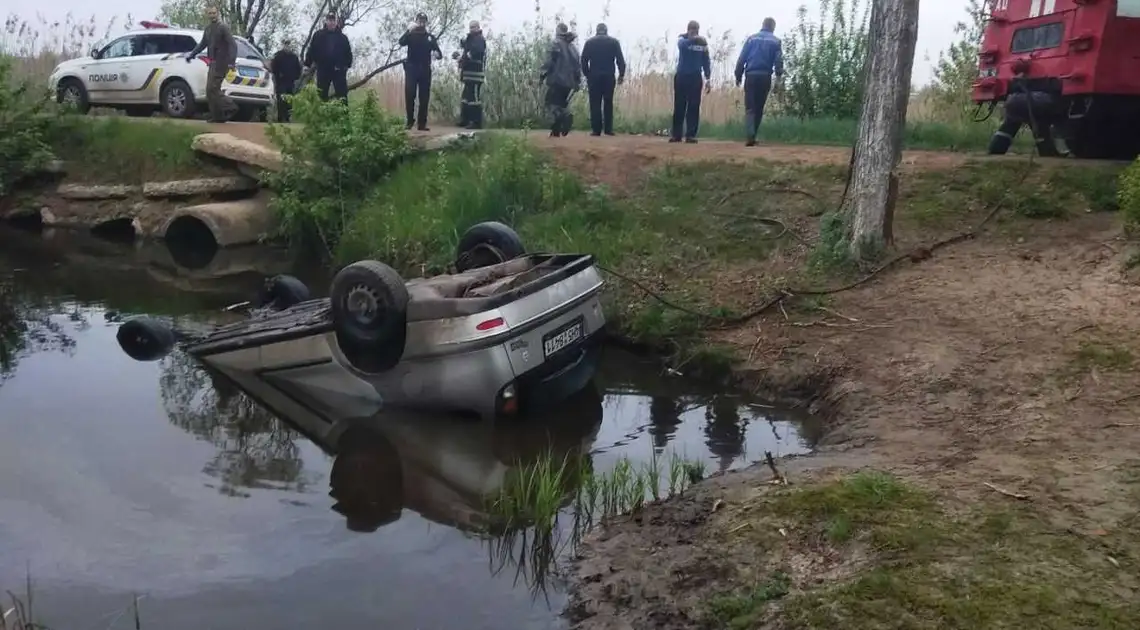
(150, 24)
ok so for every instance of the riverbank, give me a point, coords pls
(980, 464)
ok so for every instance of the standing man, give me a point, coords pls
(331, 53)
(286, 69)
(692, 61)
(422, 49)
(220, 47)
(562, 73)
(600, 54)
(471, 66)
(761, 57)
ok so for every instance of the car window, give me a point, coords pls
(179, 44)
(245, 50)
(148, 45)
(122, 47)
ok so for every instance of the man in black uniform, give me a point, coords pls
(1017, 113)
(471, 66)
(600, 54)
(332, 54)
(422, 48)
(286, 69)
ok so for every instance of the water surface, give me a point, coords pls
(120, 478)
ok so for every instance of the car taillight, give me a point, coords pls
(489, 324)
(987, 57)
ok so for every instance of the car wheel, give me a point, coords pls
(485, 244)
(370, 314)
(177, 99)
(71, 92)
(145, 339)
(281, 292)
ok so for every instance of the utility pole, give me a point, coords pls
(893, 35)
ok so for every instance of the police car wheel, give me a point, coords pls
(177, 100)
(72, 91)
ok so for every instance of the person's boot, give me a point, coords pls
(999, 143)
(409, 124)
(751, 142)
(690, 140)
(567, 124)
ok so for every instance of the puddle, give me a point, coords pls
(159, 479)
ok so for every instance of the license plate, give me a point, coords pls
(246, 71)
(562, 339)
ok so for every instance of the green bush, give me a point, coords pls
(825, 62)
(25, 125)
(1128, 196)
(333, 162)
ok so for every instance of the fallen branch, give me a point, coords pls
(1012, 495)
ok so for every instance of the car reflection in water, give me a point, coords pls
(448, 469)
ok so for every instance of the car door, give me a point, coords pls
(139, 75)
(105, 73)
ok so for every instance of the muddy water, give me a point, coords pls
(120, 478)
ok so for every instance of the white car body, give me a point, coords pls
(146, 70)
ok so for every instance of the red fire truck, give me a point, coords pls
(1081, 56)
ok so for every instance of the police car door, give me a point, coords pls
(140, 74)
(105, 74)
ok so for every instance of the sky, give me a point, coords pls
(629, 20)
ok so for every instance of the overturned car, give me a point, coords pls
(507, 330)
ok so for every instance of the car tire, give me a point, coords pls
(243, 113)
(370, 313)
(178, 99)
(485, 244)
(71, 89)
(281, 292)
(145, 339)
(366, 479)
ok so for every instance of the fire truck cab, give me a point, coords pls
(1081, 56)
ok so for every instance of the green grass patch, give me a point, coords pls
(902, 557)
(113, 149)
(1101, 356)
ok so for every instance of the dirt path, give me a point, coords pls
(644, 150)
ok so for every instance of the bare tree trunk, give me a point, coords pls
(878, 149)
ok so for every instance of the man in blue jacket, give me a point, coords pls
(761, 57)
(692, 61)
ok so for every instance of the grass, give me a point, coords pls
(116, 150)
(899, 556)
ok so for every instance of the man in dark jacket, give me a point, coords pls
(562, 73)
(761, 57)
(471, 71)
(331, 53)
(286, 69)
(422, 49)
(220, 47)
(600, 54)
(692, 61)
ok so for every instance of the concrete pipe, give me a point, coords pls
(224, 224)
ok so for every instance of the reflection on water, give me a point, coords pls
(163, 479)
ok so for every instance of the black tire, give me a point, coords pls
(281, 292)
(487, 243)
(178, 100)
(72, 90)
(145, 339)
(243, 113)
(370, 315)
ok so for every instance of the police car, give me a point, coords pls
(145, 70)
